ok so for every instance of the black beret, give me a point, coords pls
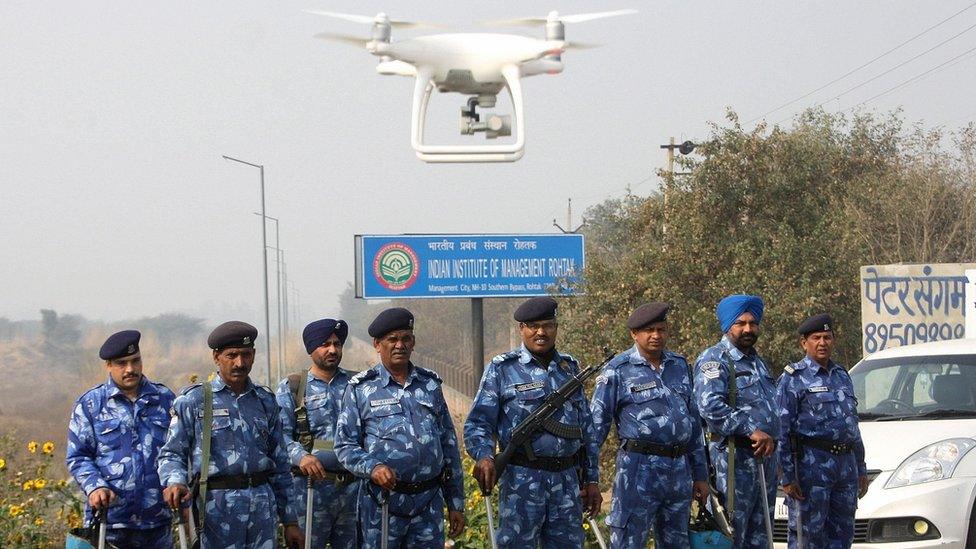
(655, 311)
(316, 333)
(391, 320)
(816, 323)
(537, 308)
(120, 344)
(232, 334)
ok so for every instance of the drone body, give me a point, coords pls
(479, 65)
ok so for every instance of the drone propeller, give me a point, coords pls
(347, 39)
(380, 18)
(574, 45)
(554, 16)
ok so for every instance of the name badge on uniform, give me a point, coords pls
(383, 402)
(218, 412)
(643, 387)
(818, 389)
(522, 387)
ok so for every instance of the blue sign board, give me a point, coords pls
(486, 265)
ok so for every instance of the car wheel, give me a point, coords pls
(971, 535)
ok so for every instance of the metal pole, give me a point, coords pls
(599, 535)
(264, 254)
(477, 339)
(309, 500)
(491, 520)
(765, 501)
(279, 257)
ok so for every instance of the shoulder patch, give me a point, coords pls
(711, 369)
(429, 373)
(365, 375)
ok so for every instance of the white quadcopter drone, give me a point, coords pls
(479, 65)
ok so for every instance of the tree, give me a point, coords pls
(786, 214)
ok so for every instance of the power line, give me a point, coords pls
(949, 62)
(852, 71)
(898, 66)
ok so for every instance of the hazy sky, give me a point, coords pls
(116, 202)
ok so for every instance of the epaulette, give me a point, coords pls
(429, 373)
(677, 355)
(365, 375)
(266, 389)
(569, 358)
(186, 390)
(505, 356)
(95, 388)
(791, 368)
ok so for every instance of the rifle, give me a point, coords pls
(541, 417)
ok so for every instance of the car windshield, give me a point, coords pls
(922, 387)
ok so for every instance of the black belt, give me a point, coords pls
(834, 447)
(654, 448)
(412, 488)
(553, 464)
(238, 482)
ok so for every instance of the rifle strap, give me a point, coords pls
(730, 445)
(206, 431)
(303, 430)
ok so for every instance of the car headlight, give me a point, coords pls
(934, 462)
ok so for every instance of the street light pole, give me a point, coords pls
(264, 253)
(279, 257)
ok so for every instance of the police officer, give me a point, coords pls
(395, 430)
(541, 501)
(334, 506)
(750, 423)
(114, 435)
(646, 392)
(248, 473)
(821, 454)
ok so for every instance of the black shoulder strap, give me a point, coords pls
(303, 430)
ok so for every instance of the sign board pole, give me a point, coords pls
(477, 339)
(970, 310)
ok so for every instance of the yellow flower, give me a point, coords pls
(40, 483)
(38, 521)
(28, 485)
(62, 483)
(32, 446)
(194, 378)
(586, 525)
(211, 376)
(3, 464)
(48, 447)
(73, 520)
(16, 510)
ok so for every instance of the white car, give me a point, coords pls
(917, 407)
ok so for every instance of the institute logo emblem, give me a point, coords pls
(396, 266)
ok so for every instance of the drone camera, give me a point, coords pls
(494, 126)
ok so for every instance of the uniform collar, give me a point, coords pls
(635, 357)
(814, 366)
(145, 388)
(525, 356)
(218, 384)
(339, 373)
(386, 378)
(734, 351)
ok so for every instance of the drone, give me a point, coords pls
(478, 65)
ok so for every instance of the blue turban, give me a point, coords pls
(733, 306)
(316, 333)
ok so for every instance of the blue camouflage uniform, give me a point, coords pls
(648, 406)
(755, 409)
(536, 507)
(113, 443)
(819, 403)
(409, 429)
(334, 507)
(246, 439)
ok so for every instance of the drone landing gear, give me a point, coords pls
(494, 126)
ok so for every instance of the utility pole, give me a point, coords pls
(684, 148)
(569, 219)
